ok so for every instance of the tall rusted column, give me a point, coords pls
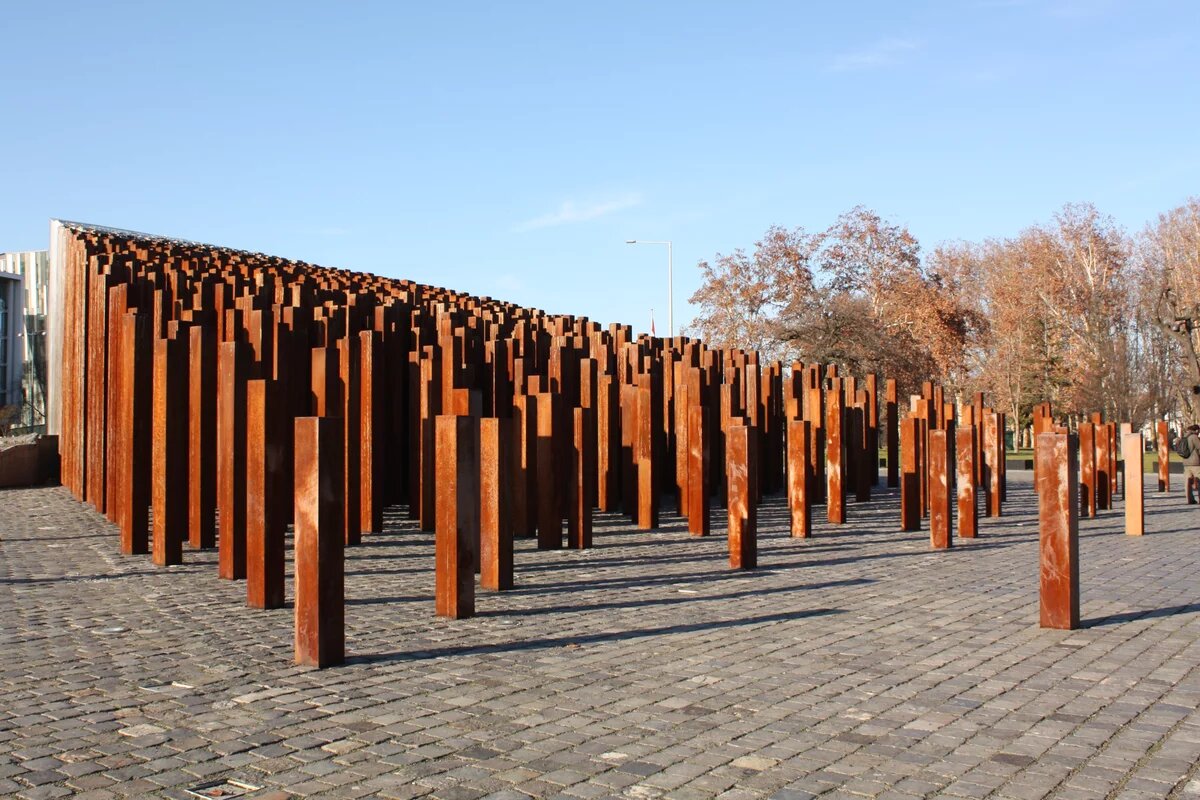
(457, 512)
(169, 469)
(910, 479)
(351, 409)
(647, 450)
(1058, 519)
(1135, 517)
(991, 462)
(940, 536)
(741, 466)
(495, 521)
(892, 421)
(372, 378)
(799, 477)
(135, 408)
(872, 439)
(835, 489)
(549, 519)
(233, 362)
(1087, 469)
(964, 451)
(202, 436)
(265, 524)
(1103, 450)
(524, 458)
(608, 443)
(579, 512)
(320, 629)
(698, 468)
(1164, 456)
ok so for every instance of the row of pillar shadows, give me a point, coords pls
(210, 391)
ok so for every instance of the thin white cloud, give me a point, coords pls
(570, 212)
(881, 54)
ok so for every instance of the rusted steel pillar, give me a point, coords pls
(647, 451)
(872, 440)
(1087, 469)
(548, 515)
(1058, 519)
(1135, 518)
(892, 421)
(1103, 450)
(1164, 456)
(202, 436)
(265, 472)
(320, 629)
(964, 451)
(992, 453)
(372, 379)
(799, 478)
(940, 521)
(495, 521)
(457, 511)
(233, 365)
(608, 444)
(835, 488)
(698, 469)
(579, 496)
(135, 408)
(910, 479)
(524, 465)
(741, 466)
(169, 469)
(351, 410)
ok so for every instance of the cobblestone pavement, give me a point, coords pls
(855, 664)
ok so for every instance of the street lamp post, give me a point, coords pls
(670, 281)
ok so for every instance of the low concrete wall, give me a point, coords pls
(29, 464)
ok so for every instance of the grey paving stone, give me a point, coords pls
(854, 664)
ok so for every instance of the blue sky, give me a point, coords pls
(510, 149)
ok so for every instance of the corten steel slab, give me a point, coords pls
(136, 400)
(458, 502)
(940, 519)
(169, 466)
(1132, 447)
(233, 363)
(351, 412)
(548, 513)
(1164, 456)
(202, 436)
(1058, 519)
(372, 377)
(799, 478)
(741, 465)
(320, 634)
(697, 469)
(892, 422)
(993, 435)
(524, 464)
(118, 306)
(495, 492)
(835, 489)
(1087, 469)
(910, 480)
(968, 504)
(579, 510)
(265, 472)
(647, 448)
(1104, 451)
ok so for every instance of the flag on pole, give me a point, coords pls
(652, 333)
